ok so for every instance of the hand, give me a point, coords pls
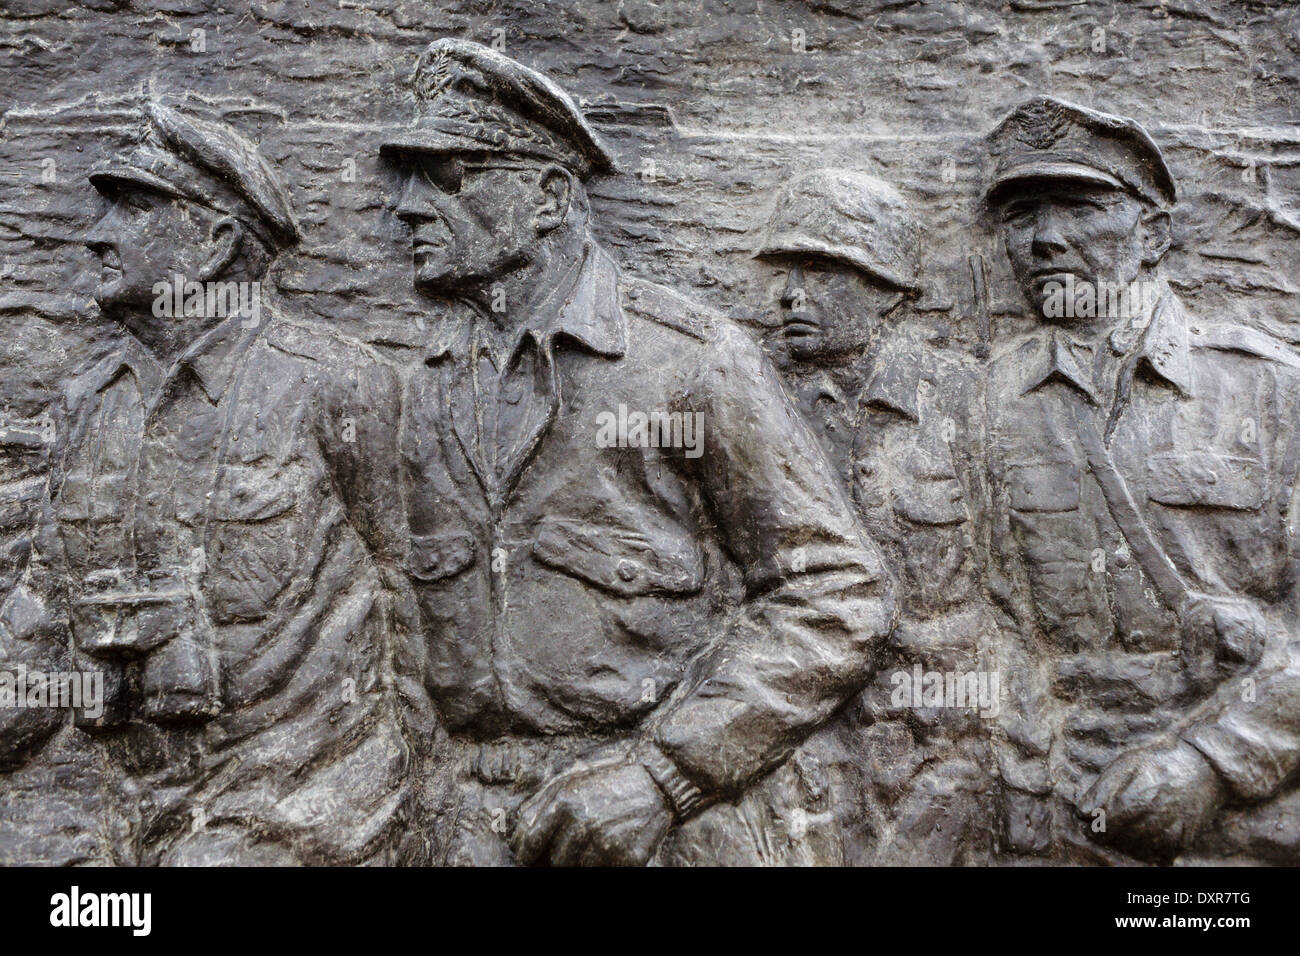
(610, 815)
(1157, 800)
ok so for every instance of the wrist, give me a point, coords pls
(1207, 773)
(684, 798)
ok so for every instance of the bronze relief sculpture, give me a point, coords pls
(443, 508)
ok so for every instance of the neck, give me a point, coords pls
(1088, 331)
(1131, 308)
(167, 339)
(846, 370)
(168, 336)
(506, 303)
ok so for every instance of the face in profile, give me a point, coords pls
(145, 237)
(829, 309)
(472, 218)
(1057, 229)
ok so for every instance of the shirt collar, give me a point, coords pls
(1052, 355)
(816, 384)
(130, 356)
(893, 380)
(583, 307)
(1164, 348)
(212, 357)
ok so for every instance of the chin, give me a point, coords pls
(442, 275)
(1037, 300)
(805, 351)
(112, 299)
(435, 280)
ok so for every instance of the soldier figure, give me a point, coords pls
(221, 534)
(1143, 464)
(894, 406)
(625, 625)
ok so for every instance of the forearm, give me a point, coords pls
(1251, 733)
(789, 661)
(819, 602)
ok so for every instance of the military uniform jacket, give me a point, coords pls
(1200, 421)
(723, 602)
(262, 466)
(907, 437)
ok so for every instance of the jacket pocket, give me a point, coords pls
(931, 502)
(83, 498)
(1206, 479)
(1043, 487)
(249, 493)
(256, 538)
(436, 556)
(626, 563)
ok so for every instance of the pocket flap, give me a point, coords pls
(436, 556)
(1043, 487)
(621, 561)
(1204, 478)
(252, 493)
(79, 492)
(931, 502)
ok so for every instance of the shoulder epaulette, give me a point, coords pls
(1243, 338)
(667, 308)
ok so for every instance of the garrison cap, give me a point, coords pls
(470, 98)
(207, 163)
(852, 217)
(1047, 138)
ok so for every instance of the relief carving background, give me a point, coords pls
(708, 108)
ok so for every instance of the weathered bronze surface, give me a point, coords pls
(648, 433)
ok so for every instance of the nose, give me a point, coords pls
(101, 234)
(793, 287)
(1048, 239)
(416, 203)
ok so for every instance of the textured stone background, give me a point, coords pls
(713, 94)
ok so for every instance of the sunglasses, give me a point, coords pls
(447, 173)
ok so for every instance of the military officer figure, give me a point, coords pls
(893, 403)
(1144, 467)
(223, 536)
(50, 804)
(622, 629)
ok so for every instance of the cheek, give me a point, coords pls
(137, 247)
(159, 243)
(815, 300)
(160, 255)
(842, 304)
(1106, 241)
(501, 216)
(1016, 240)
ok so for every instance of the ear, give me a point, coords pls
(227, 239)
(1157, 234)
(897, 299)
(556, 184)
